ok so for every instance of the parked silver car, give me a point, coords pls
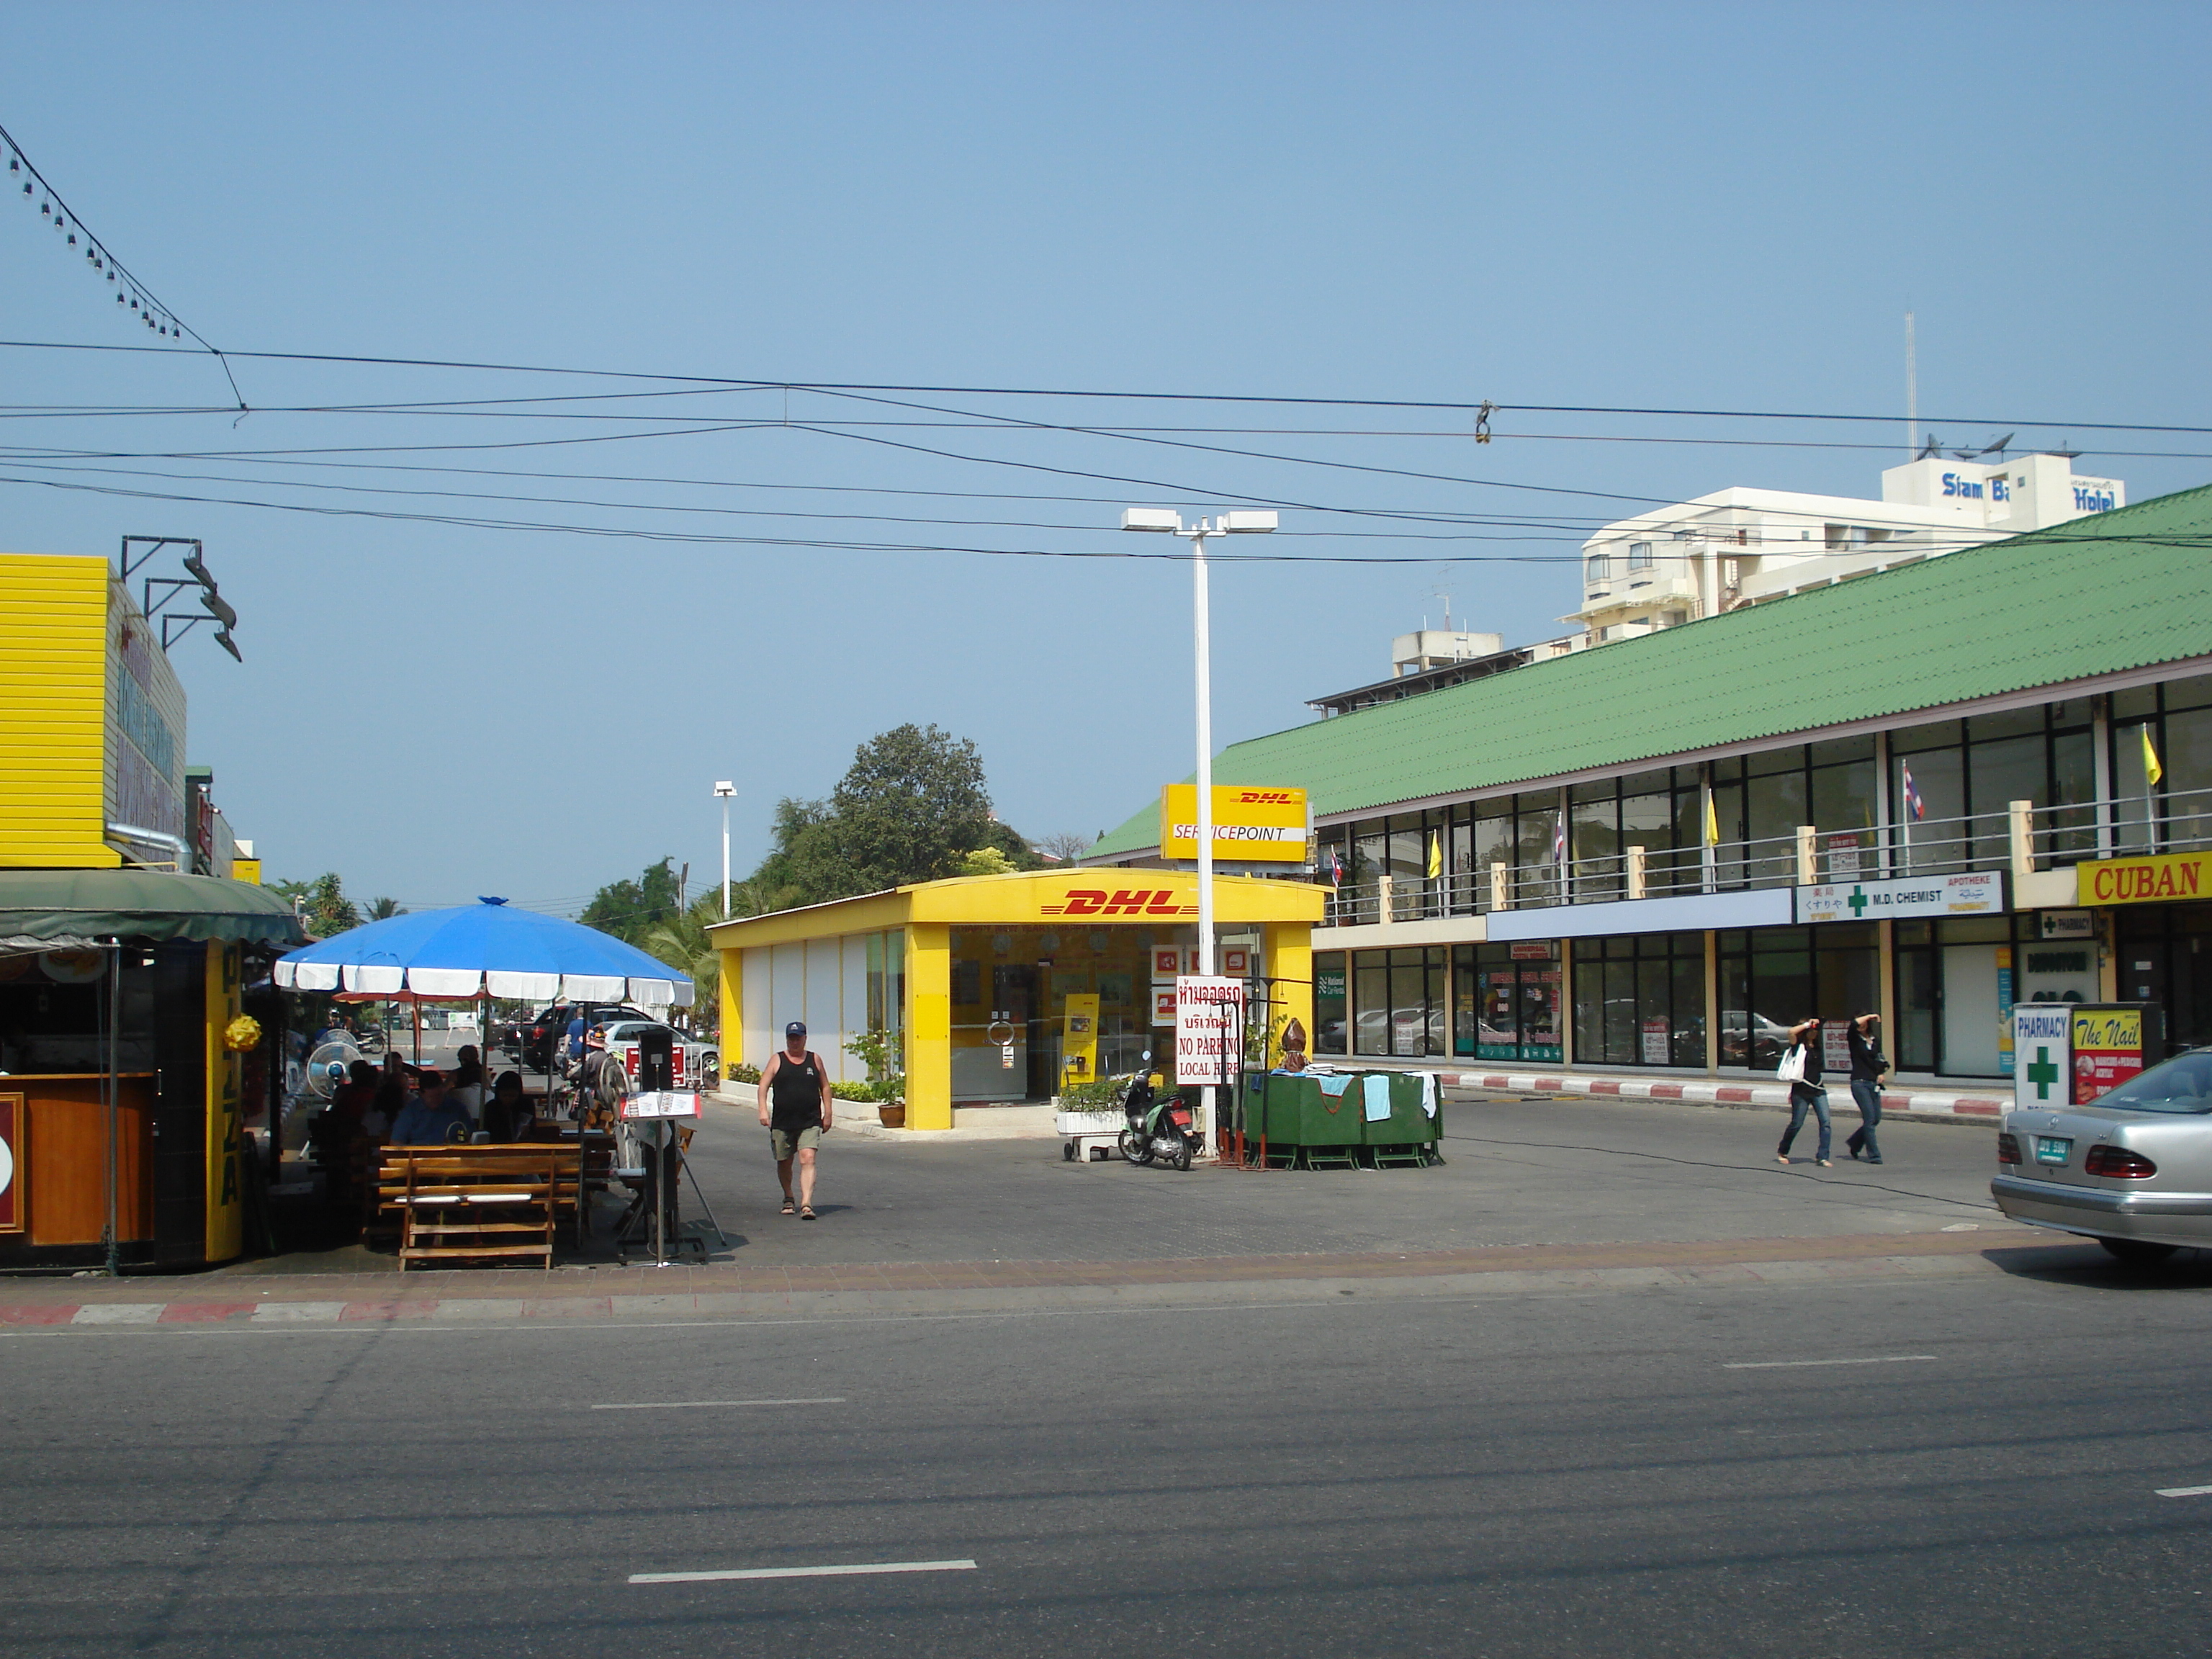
(2133, 1170)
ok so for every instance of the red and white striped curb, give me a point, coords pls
(464, 1309)
(1918, 1102)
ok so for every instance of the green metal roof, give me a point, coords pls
(2124, 589)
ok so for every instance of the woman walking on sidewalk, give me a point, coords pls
(1868, 1064)
(1800, 1066)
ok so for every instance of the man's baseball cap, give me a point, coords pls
(796, 1028)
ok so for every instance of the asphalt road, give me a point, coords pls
(1692, 1472)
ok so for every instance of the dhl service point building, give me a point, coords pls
(973, 977)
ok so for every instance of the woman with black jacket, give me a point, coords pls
(1868, 1064)
(1806, 1093)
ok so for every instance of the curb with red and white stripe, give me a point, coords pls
(1916, 1103)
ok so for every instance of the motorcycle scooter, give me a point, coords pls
(1160, 1127)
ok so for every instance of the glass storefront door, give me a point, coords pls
(1506, 1007)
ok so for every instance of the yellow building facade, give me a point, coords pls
(969, 980)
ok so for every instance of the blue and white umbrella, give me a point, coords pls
(485, 949)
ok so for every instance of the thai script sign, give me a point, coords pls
(1978, 895)
(1209, 1029)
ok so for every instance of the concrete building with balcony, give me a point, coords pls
(1930, 791)
(1738, 547)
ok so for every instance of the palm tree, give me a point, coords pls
(383, 909)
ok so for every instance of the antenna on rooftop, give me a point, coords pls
(1912, 393)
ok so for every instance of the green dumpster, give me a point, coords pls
(1292, 1111)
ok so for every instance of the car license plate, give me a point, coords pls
(2052, 1149)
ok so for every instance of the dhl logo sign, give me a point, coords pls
(1250, 824)
(1120, 901)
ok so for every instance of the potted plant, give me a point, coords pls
(885, 1086)
(1089, 1108)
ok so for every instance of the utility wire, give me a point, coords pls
(1466, 407)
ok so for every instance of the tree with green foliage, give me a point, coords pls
(631, 910)
(383, 909)
(322, 906)
(913, 805)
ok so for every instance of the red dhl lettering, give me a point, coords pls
(1122, 902)
(1264, 797)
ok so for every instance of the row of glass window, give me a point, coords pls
(1949, 785)
(1641, 999)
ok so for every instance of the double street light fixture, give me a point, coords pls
(1168, 522)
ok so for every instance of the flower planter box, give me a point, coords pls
(1108, 1123)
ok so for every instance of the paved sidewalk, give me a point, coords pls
(1927, 1104)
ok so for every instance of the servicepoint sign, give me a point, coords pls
(1251, 825)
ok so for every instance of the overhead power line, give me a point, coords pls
(1468, 406)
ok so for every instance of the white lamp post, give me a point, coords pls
(723, 791)
(1167, 520)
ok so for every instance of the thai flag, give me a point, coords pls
(1335, 869)
(1559, 841)
(1915, 808)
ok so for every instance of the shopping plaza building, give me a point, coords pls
(1925, 787)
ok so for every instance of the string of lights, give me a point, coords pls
(129, 291)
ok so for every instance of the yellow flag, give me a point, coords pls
(2152, 769)
(1436, 857)
(1712, 823)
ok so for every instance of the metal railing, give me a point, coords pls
(2021, 838)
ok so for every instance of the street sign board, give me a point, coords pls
(1209, 1027)
(2043, 1067)
(1250, 825)
(649, 1103)
(1981, 894)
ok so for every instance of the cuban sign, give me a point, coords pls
(1209, 1028)
(2144, 881)
(2043, 1071)
(1250, 825)
(1978, 895)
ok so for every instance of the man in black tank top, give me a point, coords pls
(794, 1109)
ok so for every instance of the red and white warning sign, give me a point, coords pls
(1209, 1029)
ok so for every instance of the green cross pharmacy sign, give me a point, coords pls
(2042, 1036)
(1978, 894)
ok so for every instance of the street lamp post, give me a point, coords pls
(723, 791)
(1169, 520)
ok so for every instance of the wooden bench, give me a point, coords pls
(465, 1201)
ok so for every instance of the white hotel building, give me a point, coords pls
(1736, 547)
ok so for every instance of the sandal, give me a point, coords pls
(806, 1213)
(787, 1205)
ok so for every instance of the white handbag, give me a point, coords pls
(1792, 1068)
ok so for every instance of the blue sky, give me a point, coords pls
(1676, 207)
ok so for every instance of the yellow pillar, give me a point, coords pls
(929, 1025)
(734, 1008)
(1289, 946)
(226, 1121)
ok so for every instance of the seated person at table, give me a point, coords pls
(508, 1114)
(465, 1086)
(430, 1119)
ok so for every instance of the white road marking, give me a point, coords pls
(2185, 1491)
(1791, 1365)
(118, 1313)
(687, 1405)
(800, 1573)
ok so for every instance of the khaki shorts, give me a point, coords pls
(785, 1142)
